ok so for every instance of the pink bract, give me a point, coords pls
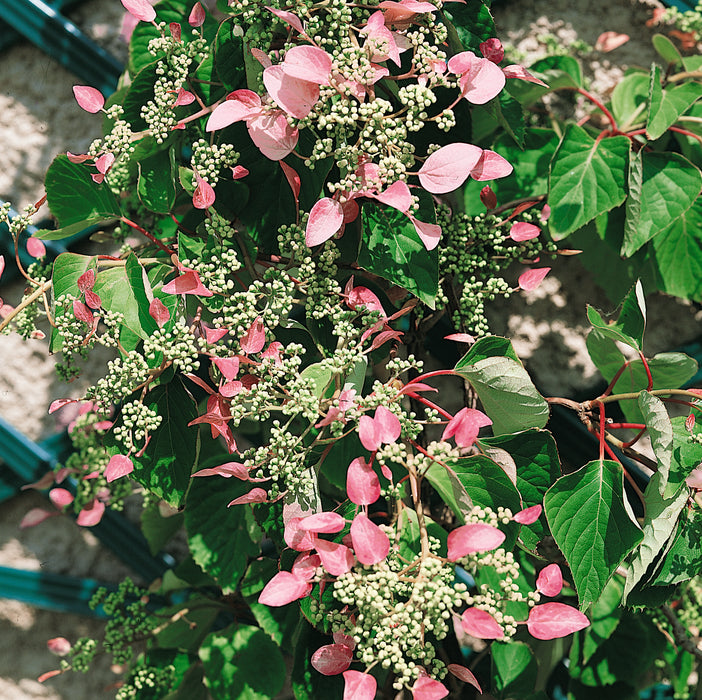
(117, 467)
(473, 539)
(550, 580)
(359, 686)
(481, 624)
(332, 659)
(370, 544)
(362, 483)
(326, 218)
(531, 279)
(283, 588)
(141, 9)
(555, 620)
(426, 688)
(448, 168)
(88, 98)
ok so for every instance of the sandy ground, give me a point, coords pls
(38, 119)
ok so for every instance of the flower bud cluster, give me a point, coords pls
(216, 271)
(123, 376)
(176, 345)
(208, 159)
(138, 420)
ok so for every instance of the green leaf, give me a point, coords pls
(164, 468)
(158, 529)
(683, 560)
(187, 631)
(117, 294)
(592, 525)
(486, 483)
(319, 375)
(229, 55)
(564, 64)
(391, 249)
(531, 177)
(278, 623)
(660, 431)
(537, 466)
(507, 394)
(667, 106)
(221, 539)
(156, 184)
(408, 526)
(678, 253)
(58, 234)
(627, 656)
(658, 526)
(630, 324)
(587, 178)
(470, 25)
(505, 112)
(629, 98)
(666, 49)
(514, 669)
(191, 687)
(489, 346)
(74, 199)
(448, 485)
(604, 616)
(242, 662)
(662, 187)
(686, 454)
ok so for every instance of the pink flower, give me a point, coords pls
(465, 426)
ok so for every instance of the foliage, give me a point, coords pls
(310, 215)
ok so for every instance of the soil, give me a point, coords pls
(39, 118)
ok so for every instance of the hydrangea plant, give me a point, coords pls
(303, 207)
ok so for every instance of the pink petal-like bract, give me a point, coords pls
(88, 98)
(428, 233)
(229, 112)
(608, 41)
(256, 495)
(493, 50)
(531, 279)
(91, 514)
(306, 565)
(59, 646)
(49, 674)
(76, 158)
(187, 283)
(60, 403)
(204, 195)
(36, 247)
(176, 31)
(254, 339)
(226, 470)
(362, 296)
(296, 538)
(332, 659)
(140, 9)
(488, 197)
(550, 580)
(397, 196)
(490, 166)
(293, 179)
(308, 63)
(370, 544)
(465, 426)
(426, 688)
(522, 231)
(326, 218)
(239, 171)
(2, 264)
(289, 17)
(359, 686)
(34, 517)
(480, 79)
(184, 98)
(86, 280)
(283, 588)
(472, 539)
(481, 624)
(104, 162)
(528, 516)
(92, 300)
(323, 522)
(60, 497)
(196, 18)
(362, 483)
(694, 480)
(448, 168)
(294, 96)
(389, 427)
(555, 620)
(117, 467)
(228, 366)
(159, 312)
(460, 338)
(368, 434)
(336, 558)
(521, 73)
(82, 312)
(272, 134)
(464, 674)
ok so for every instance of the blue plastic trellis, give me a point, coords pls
(43, 24)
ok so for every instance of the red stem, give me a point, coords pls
(634, 440)
(631, 426)
(144, 232)
(603, 444)
(685, 132)
(615, 379)
(431, 404)
(648, 371)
